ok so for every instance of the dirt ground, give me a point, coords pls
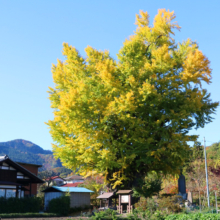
(50, 218)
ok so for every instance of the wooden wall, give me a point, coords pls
(33, 169)
(79, 199)
(8, 175)
(76, 199)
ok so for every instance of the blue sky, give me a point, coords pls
(31, 38)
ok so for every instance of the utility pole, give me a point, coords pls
(206, 172)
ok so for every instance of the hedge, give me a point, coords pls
(28, 215)
(20, 205)
(196, 216)
(60, 205)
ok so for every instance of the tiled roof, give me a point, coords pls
(2, 158)
(54, 177)
(22, 163)
(31, 175)
(74, 177)
(106, 195)
(124, 191)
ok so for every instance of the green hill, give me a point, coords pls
(213, 151)
(27, 152)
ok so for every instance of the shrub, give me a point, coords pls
(79, 209)
(146, 204)
(196, 216)
(134, 215)
(104, 215)
(150, 186)
(20, 205)
(27, 215)
(60, 205)
(171, 204)
(158, 215)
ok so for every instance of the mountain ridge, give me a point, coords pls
(21, 150)
(28, 145)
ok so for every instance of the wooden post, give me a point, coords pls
(119, 205)
(17, 191)
(30, 189)
(129, 204)
(200, 202)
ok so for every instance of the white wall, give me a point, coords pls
(74, 181)
(76, 199)
(59, 181)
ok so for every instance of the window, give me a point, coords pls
(20, 193)
(10, 193)
(20, 177)
(2, 192)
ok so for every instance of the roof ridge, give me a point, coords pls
(7, 158)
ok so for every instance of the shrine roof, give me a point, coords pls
(124, 192)
(106, 195)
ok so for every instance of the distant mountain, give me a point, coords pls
(27, 152)
(27, 146)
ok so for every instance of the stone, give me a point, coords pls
(190, 197)
(184, 195)
(182, 184)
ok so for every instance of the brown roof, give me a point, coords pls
(32, 176)
(106, 195)
(53, 178)
(36, 165)
(9, 183)
(124, 191)
(74, 177)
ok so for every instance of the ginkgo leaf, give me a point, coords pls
(125, 118)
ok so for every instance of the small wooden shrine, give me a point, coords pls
(106, 199)
(125, 201)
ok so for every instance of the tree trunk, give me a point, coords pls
(200, 201)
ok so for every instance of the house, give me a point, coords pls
(79, 196)
(74, 179)
(15, 180)
(33, 168)
(72, 184)
(55, 180)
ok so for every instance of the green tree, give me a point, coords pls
(129, 117)
(149, 186)
(96, 184)
(196, 152)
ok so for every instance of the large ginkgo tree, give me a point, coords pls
(128, 117)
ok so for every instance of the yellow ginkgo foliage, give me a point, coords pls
(129, 117)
